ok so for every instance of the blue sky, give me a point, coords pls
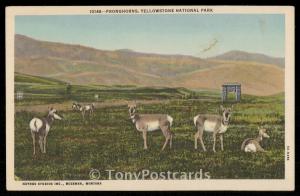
(197, 35)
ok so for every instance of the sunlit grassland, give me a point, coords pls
(108, 140)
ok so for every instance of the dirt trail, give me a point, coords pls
(65, 106)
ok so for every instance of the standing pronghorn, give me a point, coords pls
(76, 106)
(41, 127)
(152, 122)
(89, 108)
(253, 144)
(217, 124)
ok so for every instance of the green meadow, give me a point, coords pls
(109, 141)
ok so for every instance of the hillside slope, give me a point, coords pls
(256, 79)
(84, 65)
(236, 55)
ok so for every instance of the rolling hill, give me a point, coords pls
(85, 65)
(236, 55)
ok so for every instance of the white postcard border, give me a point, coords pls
(227, 184)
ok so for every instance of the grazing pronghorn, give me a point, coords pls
(41, 127)
(76, 106)
(217, 124)
(89, 108)
(253, 144)
(152, 122)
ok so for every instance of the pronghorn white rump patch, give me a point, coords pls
(209, 126)
(35, 124)
(152, 126)
(250, 148)
(195, 119)
(170, 119)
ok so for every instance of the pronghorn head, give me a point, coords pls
(226, 114)
(263, 132)
(53, 114)
(132, 108)
(74, 106)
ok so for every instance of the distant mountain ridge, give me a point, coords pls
(236, 55)
(85, 65)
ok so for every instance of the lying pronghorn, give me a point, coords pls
(152, 122)
(253, 144)
(217, 124)
(83, 109)
(41, 127)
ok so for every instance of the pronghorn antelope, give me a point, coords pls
(41, 127)
(217, 124)
(253, 144)
(76, 106)
(151, 122)
(89, 108)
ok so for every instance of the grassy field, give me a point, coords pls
(109, 139)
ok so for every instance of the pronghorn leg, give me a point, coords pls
(145, 139)
(201, 139)
(88, 112)
(167, 133)
(41, 143)
(221, 141)
(166, 142)
(45, 140)
(215, 138)
(260, 149)
(83, 113)
(171, 138)
(196, 139)
(33, 141)
(199, 135)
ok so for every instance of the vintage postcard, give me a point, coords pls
(150, 98)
